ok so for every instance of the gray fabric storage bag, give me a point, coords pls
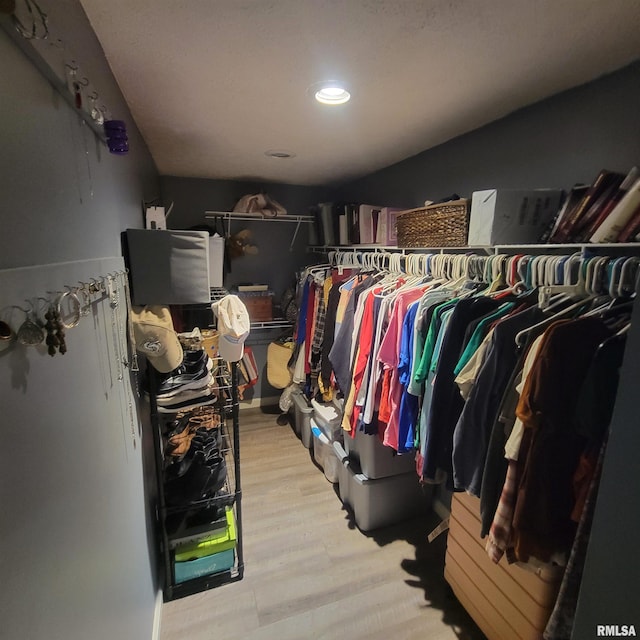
(169, 266)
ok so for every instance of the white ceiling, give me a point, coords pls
(213, 84)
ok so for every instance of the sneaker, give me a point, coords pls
(183, 381)
(182, 395)
(203, 401)
(194, 362)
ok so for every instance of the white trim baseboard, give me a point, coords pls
(157, 616)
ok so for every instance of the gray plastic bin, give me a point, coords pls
(343, 472)
(385, 501)
(376, 460)
(324, 453)
(302, 419)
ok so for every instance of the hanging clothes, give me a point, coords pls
(446, 403)
(340, 353)
(480, 413)
(504, 437)
(550, 444)
(389, 356)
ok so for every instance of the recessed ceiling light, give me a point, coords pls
(279, 153)
(331, 93)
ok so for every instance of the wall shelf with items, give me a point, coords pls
(259, 217)
(583, 249)
(271, 324)
(382, 249)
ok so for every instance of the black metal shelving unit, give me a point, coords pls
(230, 496)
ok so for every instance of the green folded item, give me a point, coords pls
(220, 541)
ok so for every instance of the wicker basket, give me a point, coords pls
(438, 225)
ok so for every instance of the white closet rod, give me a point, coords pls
(574, 274)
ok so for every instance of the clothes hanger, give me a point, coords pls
(629, 277)
(521, 336)
(569, 289)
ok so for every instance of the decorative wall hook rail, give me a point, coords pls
(30, 29)
(45, 319)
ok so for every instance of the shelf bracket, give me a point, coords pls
(295, 233)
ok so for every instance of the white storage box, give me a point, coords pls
(383, 502)
(376, 460)
(302, 418)
(509, 216)
(328, 418)
(324, 453)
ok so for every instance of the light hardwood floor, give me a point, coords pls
(309, 572)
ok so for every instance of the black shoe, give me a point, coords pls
(202, 479)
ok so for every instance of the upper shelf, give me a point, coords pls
(259, 217)
(232, 215)
(492, 249)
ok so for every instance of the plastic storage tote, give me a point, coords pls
(324, 454)
(376, 460)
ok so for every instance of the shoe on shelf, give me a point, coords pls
(185, 394)
(184, 381)
(189, 404)
(203, 478)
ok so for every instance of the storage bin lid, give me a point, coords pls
(326, 413)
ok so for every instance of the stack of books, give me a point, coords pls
(608, 210)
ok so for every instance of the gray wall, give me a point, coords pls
(76, 559)
(563, 140)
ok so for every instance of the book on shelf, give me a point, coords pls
(575, 195)
(608, 207)
(573, 218)
(369, 216)
(615, 222)
(344, 218)
(632, 229)
(354, 223)
(591, 219)
(387, 232)
(248, 288)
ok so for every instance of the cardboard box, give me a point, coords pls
(259, 305)
(509, 216)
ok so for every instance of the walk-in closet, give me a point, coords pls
(318, 319)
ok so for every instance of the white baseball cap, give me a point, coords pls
(233, 325)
